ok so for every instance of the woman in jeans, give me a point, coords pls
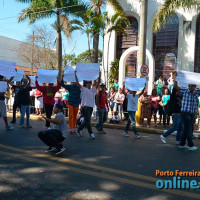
(163, 103)
(175, 109)
(112, 94)
(119, 99)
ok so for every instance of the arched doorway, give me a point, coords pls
(122, 66)
(126, 41)
(165, 48)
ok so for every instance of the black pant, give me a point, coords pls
(52, 138)
(87, 121)
(15, 106)
(165, 118)
(48, 110)
(187, 119)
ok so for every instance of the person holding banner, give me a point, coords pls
(73, 103)
(87, 102)
(4, 88)
(189, 106)
(48, 98)
(16, 104)
(25, 100)
(132, 107)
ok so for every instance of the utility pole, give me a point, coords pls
(33, 38)
(143, 33)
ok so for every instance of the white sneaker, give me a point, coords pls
(183, 147)
(137, 136)
(163, 139)
(92, 136)
(9, 127)
(193, 148)
(79, 133)
(126, 134)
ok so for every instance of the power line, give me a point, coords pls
(44, 11)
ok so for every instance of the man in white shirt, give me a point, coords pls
(132, 107)
(87, 102)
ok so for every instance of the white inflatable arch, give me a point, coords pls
(122, 64)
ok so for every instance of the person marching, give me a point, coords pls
(16, 104)
(48, 98)
(53, 138)
(87, 102)
(73, 103)
(102, 106)
(3, 112)
(25, 100)
(132, 107)
(189, 106)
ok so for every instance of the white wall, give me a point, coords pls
(186, 43)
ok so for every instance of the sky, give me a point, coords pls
(9, 27)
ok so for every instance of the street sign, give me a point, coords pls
(144, 70)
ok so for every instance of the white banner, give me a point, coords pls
(184, 78)
(47, 76)
(19, 75)
(7, 68)
(87, 71)
(135, 84)
(3, 86)
(69, 74)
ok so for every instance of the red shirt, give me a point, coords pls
(103, 100)
(48, 92)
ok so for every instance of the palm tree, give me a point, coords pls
(120, 24)
(61, 9)
(85, 25)
(168, 9)
(97, 6)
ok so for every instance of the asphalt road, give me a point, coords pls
(111, 167)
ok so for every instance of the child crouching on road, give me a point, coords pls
(54, 137)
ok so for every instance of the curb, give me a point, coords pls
(115, 126)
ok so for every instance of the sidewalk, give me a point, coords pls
(155, 130)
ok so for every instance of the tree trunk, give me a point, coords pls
(103, 63)
(96, 38)
(95, 47)
(143, 31)
(108, 57)
(88, 37)
(59, 47)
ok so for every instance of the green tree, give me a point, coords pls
(61, 9)
(97, 6)
(168, 9)
(120, 24)
(114, 71)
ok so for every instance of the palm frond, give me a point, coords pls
(168, 9)
(65, 25)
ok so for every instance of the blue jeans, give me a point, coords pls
(102, 118)
(170, 87)
(131, 120)
(187, 119)
(177, 126)
(25, 109)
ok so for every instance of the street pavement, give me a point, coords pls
(111, 167)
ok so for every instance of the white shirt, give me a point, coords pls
(132, 102)
(88, 96)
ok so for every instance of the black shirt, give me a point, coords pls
(2, 96)
(16, 91)
(23, 96)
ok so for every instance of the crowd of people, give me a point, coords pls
(70, 99)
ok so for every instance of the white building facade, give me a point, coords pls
(175, 47)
